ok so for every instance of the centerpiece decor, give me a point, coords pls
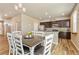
(29, 35)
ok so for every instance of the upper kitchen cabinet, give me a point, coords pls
(46, 24)
(60, 23)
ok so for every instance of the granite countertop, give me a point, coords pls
(58, 29)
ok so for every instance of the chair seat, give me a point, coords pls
(26, 50)
(39, 51)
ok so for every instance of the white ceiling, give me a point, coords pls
(38, 10)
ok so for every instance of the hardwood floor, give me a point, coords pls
(3, 45)
(64, 47)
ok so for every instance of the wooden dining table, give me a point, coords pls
(33, 42)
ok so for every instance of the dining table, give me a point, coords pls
(31, 43)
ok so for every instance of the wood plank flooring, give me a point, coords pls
(64, 47)
(3, 45)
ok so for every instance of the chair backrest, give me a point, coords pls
(38, 34)
(18, 44)
(48, 44)
(17, 32)
(11, 43)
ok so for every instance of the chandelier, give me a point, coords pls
(20, 7)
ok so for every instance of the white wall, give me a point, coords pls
(27, 23)
(10, 24)
(16, 22)
(24, 23)
(75, 36)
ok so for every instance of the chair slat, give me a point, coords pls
(19, 45)
(11, 43)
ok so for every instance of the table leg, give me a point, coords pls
(32, 50)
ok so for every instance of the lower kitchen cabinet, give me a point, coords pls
(64, 35)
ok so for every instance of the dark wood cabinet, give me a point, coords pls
(64, 35)
(46, 24)
(60, 23)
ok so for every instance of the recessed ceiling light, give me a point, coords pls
(46, 13)
(5, 15)
(49, 16)
(63, 14)
(20, 5)
(24, 9)
(16, 7)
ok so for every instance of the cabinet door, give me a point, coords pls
(65, 35)
(46, 24)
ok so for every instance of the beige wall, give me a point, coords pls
(24, 23)
(75, 36)
(10, 24)
(1, 27)
(28, 23)
(16, 23)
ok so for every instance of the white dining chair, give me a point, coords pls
(20, 49)
(17, 32)
(46, 49)
(35, 33)
(11, 43)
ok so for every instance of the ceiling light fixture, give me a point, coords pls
(16, 7)
(5, 15)
(49, 16)
(63, 14)
(20, 5)
(24, 9)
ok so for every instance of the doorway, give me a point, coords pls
(1, 28)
